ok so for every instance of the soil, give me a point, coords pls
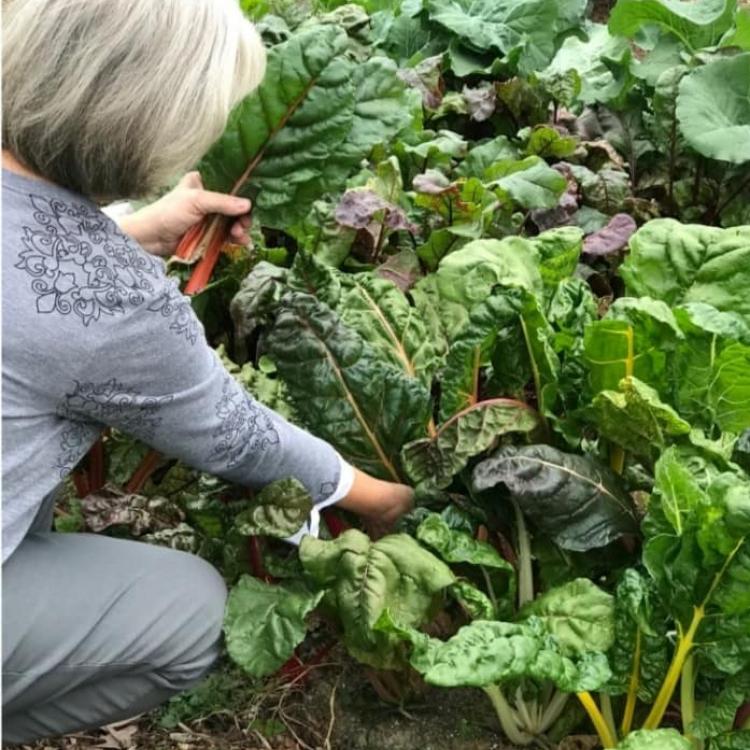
(301, 718)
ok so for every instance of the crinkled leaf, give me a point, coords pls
(438, 459)
(364, 406)
(655, 739)
(635, 418)
(365, 578)
(573, 499)
(490, 652)
(713, 109)
(264, 623)
(257, 297)
(717, 714)
(712, 365)
(677, 263)
(476, 604)
(279, 510)
(480, 101)
(381, 314)
(549, 143)
(579, 615)
(484, 155)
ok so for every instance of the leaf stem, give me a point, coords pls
(490, 587)
(687, 700)
(635, 677)
(608, 713)
(598, 720)
(554, 709)
(507, 717)
(525, 570)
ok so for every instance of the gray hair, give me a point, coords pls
(115, 98)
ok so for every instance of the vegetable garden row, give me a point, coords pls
(499, 254)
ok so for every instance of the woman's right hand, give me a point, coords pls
(378, 502)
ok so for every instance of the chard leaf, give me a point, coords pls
(714, 110)
(655, 739)
(713, 364)
(364, 406)
(611, 238)
(482, 156)
(636, 418)
(316, 114)
(716, 717)
(279, 510)
(264, 623)
(635, 339)
(678, 263)
(697, 24)
(578, 614)
(467, 434)
(365, 578)
(530, 182)
(492, 653)
(470, 351)
(458, 546)
(573, 499)
(382, 315)
(467, 276)
(476, 604)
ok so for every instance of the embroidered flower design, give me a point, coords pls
(244, 426)
(75, 440)
(174, 305)
(113, 404)
(81, 263)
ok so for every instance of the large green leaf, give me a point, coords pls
(601, 62)
(530, 182)
(573, 499)
(264, 623)
(489, 652)
(697, 24)
(712, 369)
(316, 114)
(636, 418)
(579, 615)
(655, 739)
(677, 263)
(468, 275)
(365, 578)
(342, 389)
(279, 510)
(502, 26)
(380, 312)
(713, 109)
(717, 714)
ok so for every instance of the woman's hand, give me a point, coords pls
(379, 503)
(159, 226)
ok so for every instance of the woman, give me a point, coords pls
(108, 99)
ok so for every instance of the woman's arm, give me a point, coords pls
(158, 227)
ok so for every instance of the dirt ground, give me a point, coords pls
(335, 708)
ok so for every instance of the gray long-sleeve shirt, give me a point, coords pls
(95, 335)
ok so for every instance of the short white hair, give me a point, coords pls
(116, 98)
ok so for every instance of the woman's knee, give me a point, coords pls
(197, 602)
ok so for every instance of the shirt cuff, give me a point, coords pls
(312, 525)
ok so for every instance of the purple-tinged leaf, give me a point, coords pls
(562, 214)
(401, 269)
(612, 238)
(427, 79)
(481, 101)
(359, 208)
(433, 182)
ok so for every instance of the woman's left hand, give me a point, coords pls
(159, 226)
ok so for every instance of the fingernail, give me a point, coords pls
(242, 204)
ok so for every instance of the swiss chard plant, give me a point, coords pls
(501, 253)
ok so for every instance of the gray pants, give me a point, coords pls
(96, 630)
